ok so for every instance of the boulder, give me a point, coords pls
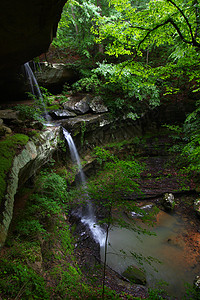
(168, 202)
(97, 105)
(91, 122)
(61, 114)
(80, 106)
(135, 275)
(141, 211)
(54, 76)
(197, 207)
(197, 283)
(4, 130)
(9, 115)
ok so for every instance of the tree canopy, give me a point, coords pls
(140, 54)
(138, 30)
(147, 48)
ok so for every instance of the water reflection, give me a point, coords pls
(177, 266)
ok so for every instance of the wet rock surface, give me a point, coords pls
(168, 201)
(90, 121)
(8, 115)
(97, 105)
(54, 76)
(61, 114)
(79, 106)
(197, 207)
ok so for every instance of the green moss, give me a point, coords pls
(33, 133)
(19, 281)
(53, 107)
(135, 275)
(76, 131)
(8, 148)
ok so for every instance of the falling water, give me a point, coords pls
(74, 155)
(35, 89)
(88, 218)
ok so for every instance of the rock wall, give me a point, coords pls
(54, 76)
(87, 119)
(91, 130)
(33, 156)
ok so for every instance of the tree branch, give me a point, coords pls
(171, 21)
(179, 32)
(137, 27)
(197, 18)
(186, 19)
(150, 31)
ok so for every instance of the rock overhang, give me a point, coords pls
(27, 29)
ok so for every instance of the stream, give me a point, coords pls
(178, 261)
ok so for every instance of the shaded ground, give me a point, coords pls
(162, 172)
(162, 176)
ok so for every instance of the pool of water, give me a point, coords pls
(178, 264)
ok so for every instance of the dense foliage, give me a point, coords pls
(132, 30)
(148, 48)
(187, 144)
(146, 53)
(39, 262)
(76, 22)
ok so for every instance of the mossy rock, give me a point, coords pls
(197, 206)
(4, 130)
(8, 149)
(53, 107)
(168, 202)
(135, 275)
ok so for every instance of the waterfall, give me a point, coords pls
(74, 155)
(88, 218)
(35, 89)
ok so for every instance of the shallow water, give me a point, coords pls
(178, 264)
